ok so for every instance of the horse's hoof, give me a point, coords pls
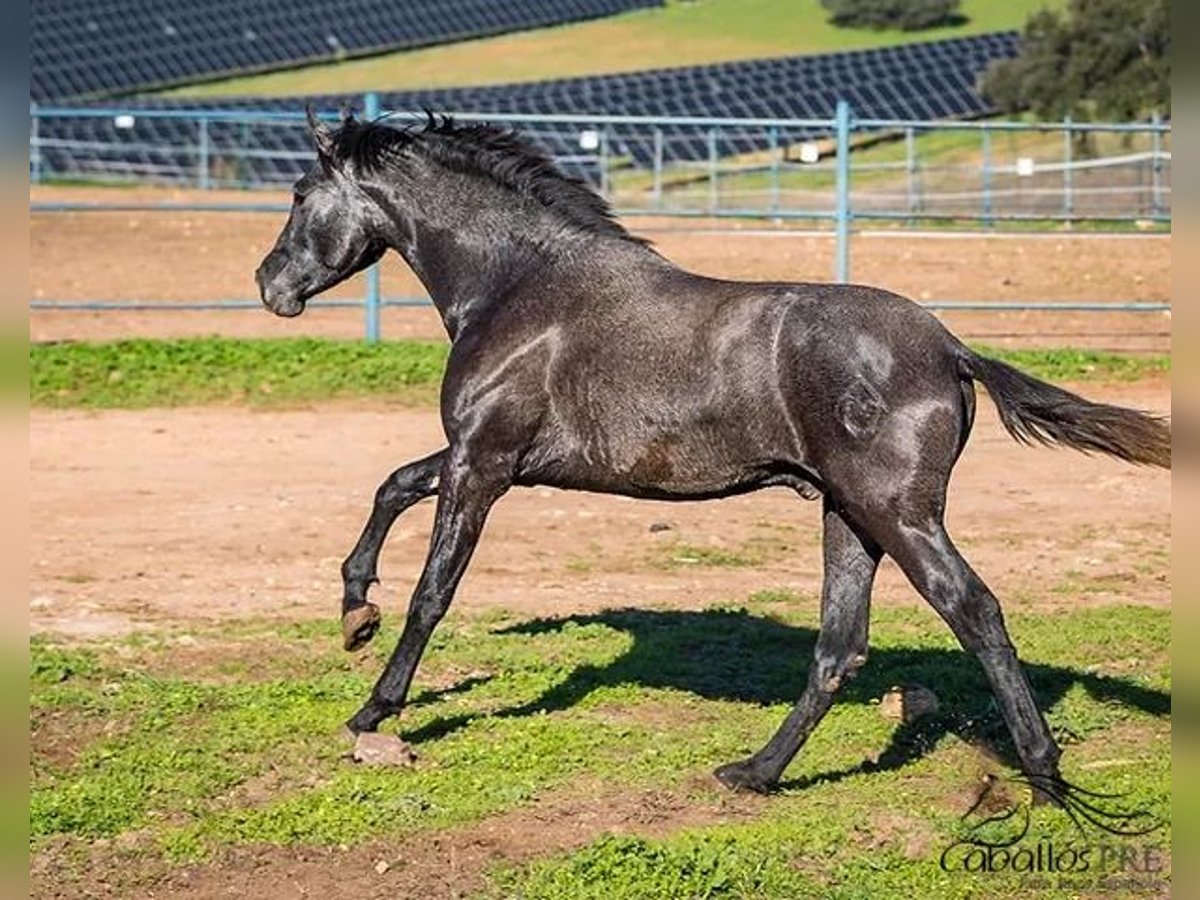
(374, 749)
(359, 626)
(743, 776)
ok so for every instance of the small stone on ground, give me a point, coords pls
(908, 703)
(374, 749)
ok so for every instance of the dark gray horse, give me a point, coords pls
(581, 359)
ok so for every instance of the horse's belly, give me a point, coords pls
(708, 459)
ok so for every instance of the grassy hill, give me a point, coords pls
(681, 33)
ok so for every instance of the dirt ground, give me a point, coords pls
(199, 256)
(156, 517)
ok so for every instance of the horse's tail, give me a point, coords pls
(1036, 412)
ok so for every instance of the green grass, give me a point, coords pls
(1068, 364)
(165, 749)
(193, 371)
(145, 373)
(678, 34)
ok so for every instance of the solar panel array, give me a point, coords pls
(91, 47)
(929, 80)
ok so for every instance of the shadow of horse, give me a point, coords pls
(734, 655)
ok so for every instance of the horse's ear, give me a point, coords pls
(322, 135)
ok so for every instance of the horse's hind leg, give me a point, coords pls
(929, 558)
(850, 564)
(403, 488)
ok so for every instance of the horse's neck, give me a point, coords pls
(472, 244)
(466, 268)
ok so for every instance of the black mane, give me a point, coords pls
(500, 154)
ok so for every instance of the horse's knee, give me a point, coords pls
(404, 487)
(392, 493)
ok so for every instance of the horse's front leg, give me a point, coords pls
(403, 488)
(465, 495)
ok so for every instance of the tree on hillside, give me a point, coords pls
(907, 15)
(1107, 59)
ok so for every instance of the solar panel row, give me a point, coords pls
(915, 81)
(80, 48)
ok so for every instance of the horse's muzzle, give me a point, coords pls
(281, 301)
(286, 305)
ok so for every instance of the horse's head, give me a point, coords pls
(334, 229)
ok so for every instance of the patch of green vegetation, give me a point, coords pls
(680, 33)
(1070, 364)
(715, 864)
(674, 556)
(146, 373)
(506, 711)
(191, 371)
(52, 664)
(775, 595)
(772, 542)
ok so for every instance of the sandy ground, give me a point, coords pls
(144, 518)
(173, 257)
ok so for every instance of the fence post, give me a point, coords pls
(985, 152)
(773, 149)
(202, 162)
(1156, 165)
(373, 301)
(714, 191)
(1068, 175)
(35, 144)
(842, 220)
(240, 168)
(910, 165)
(658, 168)
(605, 187)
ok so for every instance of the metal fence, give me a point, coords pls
(989, 171)
(831, 172)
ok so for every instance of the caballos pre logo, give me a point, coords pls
(1105, 847)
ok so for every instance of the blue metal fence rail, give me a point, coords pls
(818, 138)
